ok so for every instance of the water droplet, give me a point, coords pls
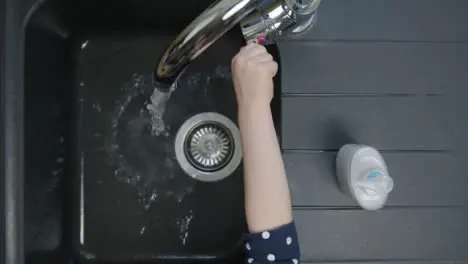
(84, 44)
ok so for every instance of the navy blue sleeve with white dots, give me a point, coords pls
(279, 245)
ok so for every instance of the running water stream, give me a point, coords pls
(157, 107)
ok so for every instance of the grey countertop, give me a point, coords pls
(392, 74)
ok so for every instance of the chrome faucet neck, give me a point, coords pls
(262, 21)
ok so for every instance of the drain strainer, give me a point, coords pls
(208, 147)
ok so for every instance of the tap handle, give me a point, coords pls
(273, 19)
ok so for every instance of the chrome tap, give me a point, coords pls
(262, 21)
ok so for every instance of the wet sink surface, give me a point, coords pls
(135, 193)
(102, 179)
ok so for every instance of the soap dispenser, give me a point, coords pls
(362, 173)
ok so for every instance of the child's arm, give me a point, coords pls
(273, 237)
(268, 203)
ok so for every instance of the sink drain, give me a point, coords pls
(208, 147)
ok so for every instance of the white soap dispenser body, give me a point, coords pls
(362, 173)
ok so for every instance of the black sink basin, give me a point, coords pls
(102, 183)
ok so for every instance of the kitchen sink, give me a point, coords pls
(102, 181)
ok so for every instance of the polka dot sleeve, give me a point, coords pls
(279, 245)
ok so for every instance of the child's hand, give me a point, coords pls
(253, 69)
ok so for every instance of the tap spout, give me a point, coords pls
(209, 26)
(262, 21)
